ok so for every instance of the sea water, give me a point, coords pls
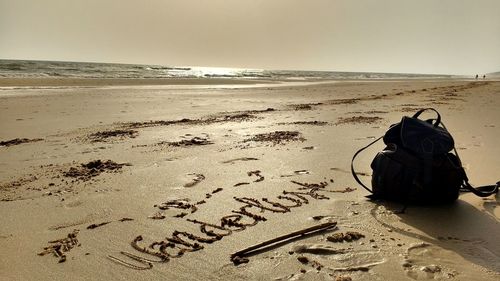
(57, 69)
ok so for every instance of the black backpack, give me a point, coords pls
(417, 165)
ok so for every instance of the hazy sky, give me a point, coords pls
(420, 36)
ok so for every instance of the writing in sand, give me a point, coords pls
(181, 242)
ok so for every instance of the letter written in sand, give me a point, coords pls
(181, 242)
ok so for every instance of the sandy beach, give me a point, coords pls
(164, 180)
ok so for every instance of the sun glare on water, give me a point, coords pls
(222, 71)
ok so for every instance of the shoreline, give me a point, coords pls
(110, 82)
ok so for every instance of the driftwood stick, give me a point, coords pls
(302, 232)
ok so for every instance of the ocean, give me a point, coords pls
(57, 69)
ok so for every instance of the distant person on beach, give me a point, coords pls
(477, 76)
(484, 76)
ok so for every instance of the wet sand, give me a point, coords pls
(155, 183)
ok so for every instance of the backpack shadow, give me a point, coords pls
(459, 227)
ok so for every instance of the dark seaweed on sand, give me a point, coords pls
(277, 137)
(315, 122)
(17, 141)
(92, 169)
(104, 135)
(345, 237)
(358, 119)
(304, 106)
(190, 142)
(147, 124)
(237, 116)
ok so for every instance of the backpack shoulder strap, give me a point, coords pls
(481, 191)
(352, 164)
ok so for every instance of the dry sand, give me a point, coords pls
(165, 183)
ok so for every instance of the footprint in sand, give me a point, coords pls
(6, 236)
(334, 259)
(73, 204)
(424, 261)
(195, 179)
(318, 249)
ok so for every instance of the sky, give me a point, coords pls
(424, 36)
